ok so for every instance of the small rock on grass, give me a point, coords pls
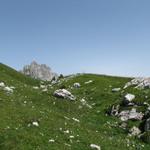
(116, 89)
(96, 147)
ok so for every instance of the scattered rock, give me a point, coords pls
(67, 131)
(35, 123)
(66, 118)
(94, 146)
(63, 93)
(8, 89)
(45, 90)
(146, 104)
(123, 125)
(130, 115)
(25, 102)
(84, 102)
(90, 81)
(77, 85)
(51, 141)
(148, 108)
(135, 131)
(77, 120)
(128, 99)
(114, 110)
(139, 83)
(71, 137)
(42, 86)
(35, 87)
(12, 87)
(116, 89)
(2, 84)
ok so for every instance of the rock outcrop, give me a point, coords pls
(38, 71)
(139, 83)
(130, 115)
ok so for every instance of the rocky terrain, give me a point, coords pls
(135, 108)
(37, 71)
(78, 112)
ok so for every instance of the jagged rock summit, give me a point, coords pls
(39, 71)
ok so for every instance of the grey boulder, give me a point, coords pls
(63, 93)
(135, 131)
(77, 85)
(130, 115)
(128, 99)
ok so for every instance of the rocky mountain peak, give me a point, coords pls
(39, 71)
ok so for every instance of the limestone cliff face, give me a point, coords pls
(38, 71)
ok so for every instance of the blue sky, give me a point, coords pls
(97, 36)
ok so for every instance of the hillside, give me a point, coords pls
(32, 118)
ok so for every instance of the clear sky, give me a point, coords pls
(97, 36)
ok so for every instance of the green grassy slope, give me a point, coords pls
(25, 105)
